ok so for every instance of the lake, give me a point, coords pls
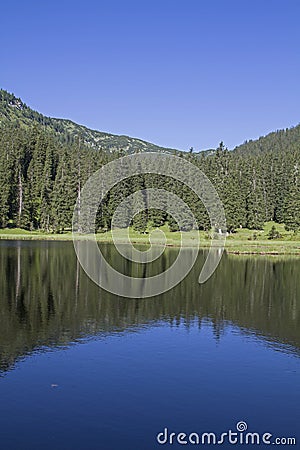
(83, 369)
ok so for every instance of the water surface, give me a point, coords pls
(83, 369)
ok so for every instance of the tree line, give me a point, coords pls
(41, 178)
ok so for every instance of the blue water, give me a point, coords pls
(120, 391)
(113, 379)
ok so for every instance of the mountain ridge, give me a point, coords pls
(44, 162)
(14, 110)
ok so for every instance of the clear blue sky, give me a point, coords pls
(178, 73)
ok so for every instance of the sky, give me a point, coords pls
(178, 73)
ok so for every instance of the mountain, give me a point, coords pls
(15, 111)
(277, 141)
(44, 162)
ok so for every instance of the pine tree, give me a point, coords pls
(292, 201)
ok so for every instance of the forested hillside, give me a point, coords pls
(42, 171)
(277, 141)
(14, 111)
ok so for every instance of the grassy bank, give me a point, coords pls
(244, 241)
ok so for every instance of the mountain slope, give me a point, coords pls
(278, 141)
(14, 110)
(43, 169)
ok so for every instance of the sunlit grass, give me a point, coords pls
(243, 241)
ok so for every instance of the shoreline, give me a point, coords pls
(233, 246)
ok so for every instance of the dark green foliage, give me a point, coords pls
(45, 162)
(14, 111)
(274, 234)
(276, 142)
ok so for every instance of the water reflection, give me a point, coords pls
(47, 300)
